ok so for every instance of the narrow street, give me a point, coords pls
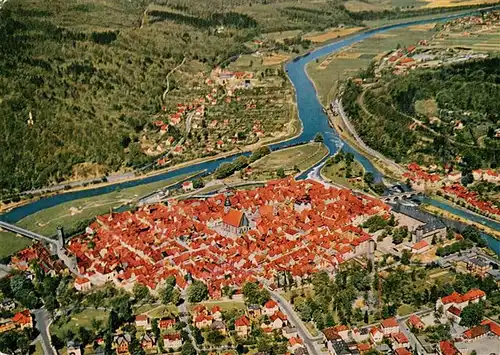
(313, 344)
(43, 321)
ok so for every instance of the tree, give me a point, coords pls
(472, 314)
(188, 349)
(169, 295)
(280, 173)
(365, 317)
(319, 138)
(369, 178)
(197, 292)
(254, 294)
(215, 337)
(141, 292)
(406, 256)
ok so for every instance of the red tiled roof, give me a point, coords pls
(447, 348)
(233, 218)
(389, 323)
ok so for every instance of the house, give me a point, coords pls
(400, 340)
(460, 301)
(6, 325)
(216, 312)
(336, 345)
(478, 266)
(278, 320)
(447, 348)
(142, 321)
(235, 222)
(166, 323)
(289, 332)
(270, 308)
(415, 322)
(254, 311)
(389, 326)
(242, 326)
(361, 335)
(294, 343)
(148, 341)
(343, 331)
(172, 341)
(453, 314)
(376, 336)
(73, 348)
(219, 326)
(402, 351)
(203, 321)
(7, 305)
(187, 186)
(420, 247)
(476, 333)
(121, 343)
(82, 284)
(23, 319)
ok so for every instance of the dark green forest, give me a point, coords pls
(466, 93)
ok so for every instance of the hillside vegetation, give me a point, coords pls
(443, 115)
(82, 81)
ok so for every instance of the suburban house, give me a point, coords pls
(23, 319)
(270, 308)
(187, 186)
(400, 340)
(415, 322)
(447, 348)
(219, 326)
(376, 336)
(121, 343)
(389, 326)
(172, 341)
(148, 341)
(242, 326)
(142, 321)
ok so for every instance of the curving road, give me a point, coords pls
(43, 322)
(313, 344)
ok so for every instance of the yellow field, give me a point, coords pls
(275, 59)
(336, 33)
(383, 35)
(424, 27)
(357, 6)
(451, 3)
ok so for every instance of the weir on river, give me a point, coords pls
(314, 120)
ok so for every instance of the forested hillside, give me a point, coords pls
(444, 115)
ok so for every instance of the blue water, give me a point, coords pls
(311, 114)
(493, 243)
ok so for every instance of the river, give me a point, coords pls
(311, 114)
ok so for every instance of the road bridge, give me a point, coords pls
(26, 233)
(401, 196)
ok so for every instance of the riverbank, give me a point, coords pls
(294, 130)
(441, 212)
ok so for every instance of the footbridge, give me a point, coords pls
(401, 196)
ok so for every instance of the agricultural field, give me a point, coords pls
(328, 71)
(299, 158)
(71, 214)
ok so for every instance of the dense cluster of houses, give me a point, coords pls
(343, 340)
(471, 198)
(452, 305)
(19, 321)
(298, 226)
(420, 177)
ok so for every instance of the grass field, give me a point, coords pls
(82, 319)
(164, 311)
(69, 214)
(405, 310)
(327, 72)
(303, 157)
(336, 173)
(224, 305)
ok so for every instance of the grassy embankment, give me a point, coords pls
(70, 214)
(301, 157)
(338, 174)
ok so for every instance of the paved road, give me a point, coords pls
(352, 130)
(415, 344)
(43, 321)
(313, 344)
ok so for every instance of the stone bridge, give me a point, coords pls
(401, 196)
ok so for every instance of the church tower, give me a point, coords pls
(227, 204)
